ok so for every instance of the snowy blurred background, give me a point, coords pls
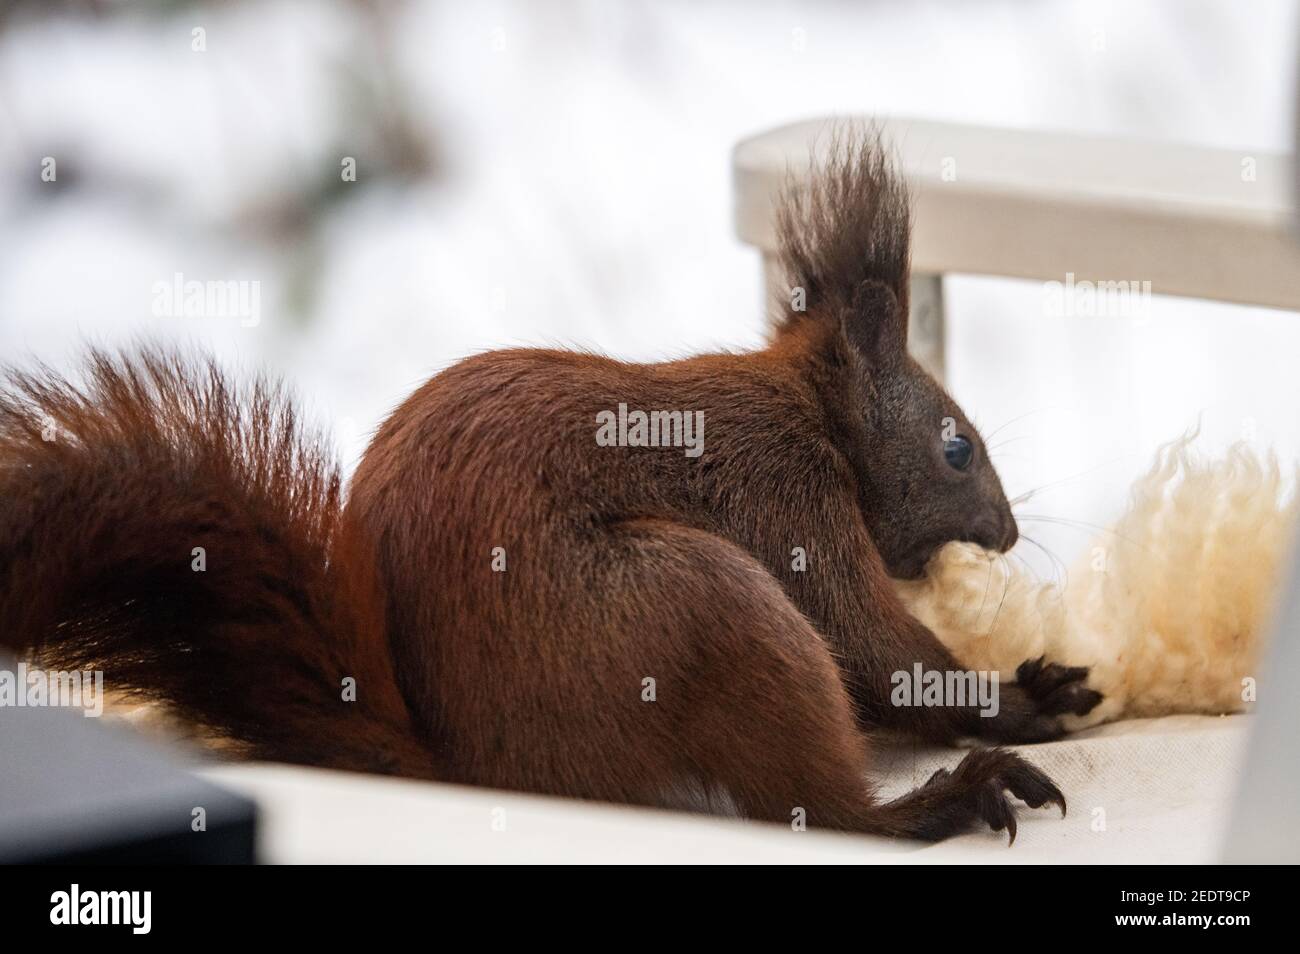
(558, 173)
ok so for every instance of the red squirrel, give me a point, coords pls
(521, 602)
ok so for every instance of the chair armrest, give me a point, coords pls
(1204, 223)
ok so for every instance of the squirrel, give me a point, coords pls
(523, 605)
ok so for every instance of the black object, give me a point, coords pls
(76, 791)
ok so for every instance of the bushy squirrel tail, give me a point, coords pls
(185, 536)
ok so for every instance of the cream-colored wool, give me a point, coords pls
(1170, 609)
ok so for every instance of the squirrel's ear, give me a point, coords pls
(875, 323)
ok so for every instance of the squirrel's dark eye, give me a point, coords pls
(958, 452)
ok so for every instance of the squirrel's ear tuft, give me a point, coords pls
(845, 226)
(875, 324)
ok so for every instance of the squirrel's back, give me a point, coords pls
(495, 492)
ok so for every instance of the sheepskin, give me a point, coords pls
(1169, 609)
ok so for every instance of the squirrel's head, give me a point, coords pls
(924, 473)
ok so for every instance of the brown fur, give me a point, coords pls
(105, 491)
(622, 563)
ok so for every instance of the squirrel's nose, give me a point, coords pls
(999, 533)
(1010, 533)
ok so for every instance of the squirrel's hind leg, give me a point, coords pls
(748, 698)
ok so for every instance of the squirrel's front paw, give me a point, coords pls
(1057, 690)
(1031, 708)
